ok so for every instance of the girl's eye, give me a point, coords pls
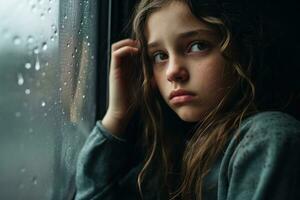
(198, 46)
(159, 57)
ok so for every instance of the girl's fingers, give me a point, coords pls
(122, 43)
(125, 51)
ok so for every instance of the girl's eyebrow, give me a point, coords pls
(192, 33)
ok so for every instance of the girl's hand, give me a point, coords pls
(123, 57)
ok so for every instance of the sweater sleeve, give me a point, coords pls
(101, 165)
(265, 165)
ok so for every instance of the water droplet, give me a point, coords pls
(44, 74)
(68, 44)
(33, 8)
(44, 46)
(27, 65)
(30, 130)
(30, 39)
(43, 104)
(65, 17)
(45, 114)
(23, 170)
(42, 16)
(53, 27)
(47, 64)
(27, 91)
(18, 114)
(87, 37)
(92, 57)
(34, 180)
(60, 89)
(65, 83)
(76, 50)
(20, 79)
(49, 10)
(83, 96)
(73, 55)
(17, 40)
(89, 44)
(52, 38)
(62, 26)
(55, 33)
(36, 50)
(37, 64)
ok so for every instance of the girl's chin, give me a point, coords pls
(189, 116)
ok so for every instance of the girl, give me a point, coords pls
(204, 133)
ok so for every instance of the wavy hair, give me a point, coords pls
(209, 137)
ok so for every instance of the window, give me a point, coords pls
(48, 105)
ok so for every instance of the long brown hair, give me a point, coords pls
(211, 135)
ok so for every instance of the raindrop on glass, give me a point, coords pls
(43, 104)
(59, 89)
(36, 50)
(23, 170)
(34, 180)
(30, 39)
(33, 8)
(44, 46)
(65, 83)
(49, 10)
(83, 96)
(89, 44)
(65, 17)
(17, 40)
(42, 16)
(27, 65)
(18, 114)
(53, 27)
(20, 79)
(87, 37)
(44, 74)
(52, 38)
(37, 64)
(68, 44)
(27, 91)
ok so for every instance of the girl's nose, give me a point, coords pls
(177, 70)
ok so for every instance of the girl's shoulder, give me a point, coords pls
(270, 124)
(270, 131)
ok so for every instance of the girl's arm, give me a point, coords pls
(103, 168)
(266, 163)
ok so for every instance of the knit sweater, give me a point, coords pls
(261, 163)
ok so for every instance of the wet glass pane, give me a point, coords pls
(47, 102)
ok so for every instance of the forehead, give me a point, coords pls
(171, 19)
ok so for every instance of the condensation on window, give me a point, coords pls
(47, 102)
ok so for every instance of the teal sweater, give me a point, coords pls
(263, 164)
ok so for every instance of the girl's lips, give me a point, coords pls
(181, 99)
(181, 96)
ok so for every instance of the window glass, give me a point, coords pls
(47, 102)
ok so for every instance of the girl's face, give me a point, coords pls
(188, 67)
